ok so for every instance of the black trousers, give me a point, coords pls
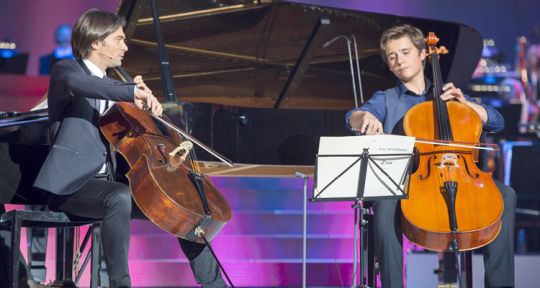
(112, 202)
(498, 255)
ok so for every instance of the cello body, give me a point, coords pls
(452, 204)
(478, 202)
(163, 186)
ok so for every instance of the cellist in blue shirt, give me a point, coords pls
(403, 49)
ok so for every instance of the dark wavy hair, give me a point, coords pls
(94, 25)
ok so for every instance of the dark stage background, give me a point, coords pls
(31, 23)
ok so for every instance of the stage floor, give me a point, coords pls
(262, 245)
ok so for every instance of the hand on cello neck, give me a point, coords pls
(145, 100)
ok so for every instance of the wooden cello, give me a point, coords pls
(167, 187)
(452, 204)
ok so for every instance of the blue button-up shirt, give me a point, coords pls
(376, 105)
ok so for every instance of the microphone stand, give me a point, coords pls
(304, 234)
(355, 70)
(359, 211)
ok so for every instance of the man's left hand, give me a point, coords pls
(144, 99)
(451, 92)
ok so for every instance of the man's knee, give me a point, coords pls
(120, 200)
(509, 196)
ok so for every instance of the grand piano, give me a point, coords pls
(252, 78)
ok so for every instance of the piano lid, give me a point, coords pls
(244, 53)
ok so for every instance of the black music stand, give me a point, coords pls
(373, 175)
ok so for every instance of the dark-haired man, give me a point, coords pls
(403, 49)
(79, 92)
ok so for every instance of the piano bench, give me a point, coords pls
(15, 220)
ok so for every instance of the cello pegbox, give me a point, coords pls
(431, 41)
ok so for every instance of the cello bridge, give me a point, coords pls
(449, 159)
(185, 146)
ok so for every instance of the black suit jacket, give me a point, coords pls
(78, 150)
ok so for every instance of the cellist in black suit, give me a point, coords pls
(79, 92)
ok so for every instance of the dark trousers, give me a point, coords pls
(498, 255)
(111, 202)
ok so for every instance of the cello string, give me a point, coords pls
(442, 114)
(438, 106)
(436, 98)
(450, 137)
(436, 93)
(449, 174)
(443, 124)
(446, 121)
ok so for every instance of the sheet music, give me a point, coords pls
(339, 161)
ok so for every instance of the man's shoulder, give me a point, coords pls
(390, 92)
(67, 63)
(64, 67)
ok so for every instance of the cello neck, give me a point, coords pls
(444, 129)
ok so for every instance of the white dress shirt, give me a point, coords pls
(103, 104)
(94, 69)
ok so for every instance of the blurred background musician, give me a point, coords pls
(62, 37)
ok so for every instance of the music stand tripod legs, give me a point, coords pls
(345, 170)
(360, 225)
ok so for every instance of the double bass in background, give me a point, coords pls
(448, 195)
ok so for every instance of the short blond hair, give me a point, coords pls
(404, 30)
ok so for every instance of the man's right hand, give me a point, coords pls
(365, 123)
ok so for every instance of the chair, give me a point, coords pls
(14, 221)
